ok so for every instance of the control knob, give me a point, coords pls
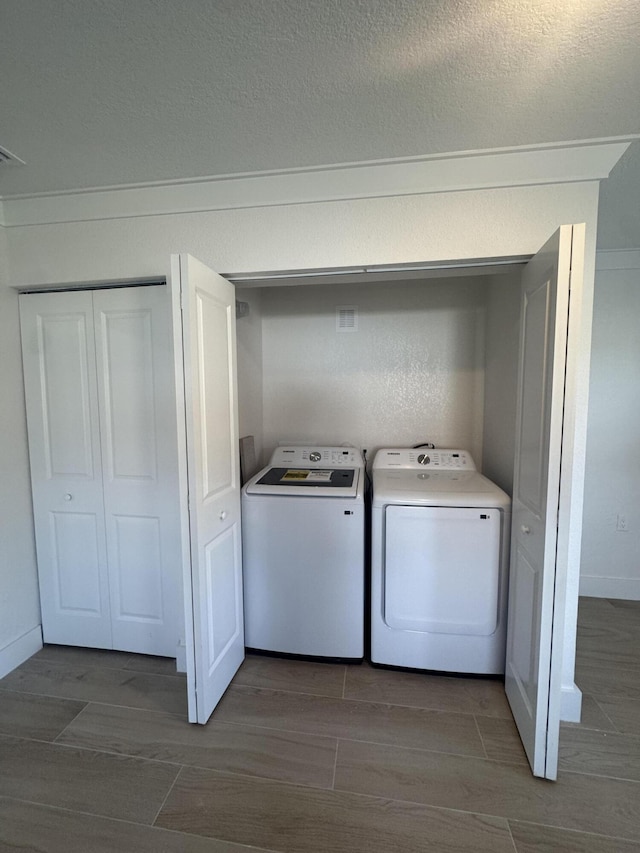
(423, 459)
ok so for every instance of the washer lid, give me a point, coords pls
(436, 488)
(313, 482)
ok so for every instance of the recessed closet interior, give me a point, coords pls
(431, 358)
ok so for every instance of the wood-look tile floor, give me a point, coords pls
(96, 756)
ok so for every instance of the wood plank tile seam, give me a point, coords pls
(167, 795)
(484, 746)
(309, 758)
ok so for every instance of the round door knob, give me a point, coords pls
(223, 515)
(68, 497)
(525, 529)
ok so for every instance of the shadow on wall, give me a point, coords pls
(619, 209)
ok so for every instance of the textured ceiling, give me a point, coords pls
(107, 92)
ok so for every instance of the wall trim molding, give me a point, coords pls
(617, 259)
(568, 162)
(601, 587)
(571, 704)
(20, 650)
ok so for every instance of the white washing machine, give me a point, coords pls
(439, 563)
(303, 553)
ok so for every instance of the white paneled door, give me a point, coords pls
(59, 363)
(102, 447)
(537, 584)
(139, 466)
(205, 369)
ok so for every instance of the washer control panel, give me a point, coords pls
(425, 459)
(330, 457)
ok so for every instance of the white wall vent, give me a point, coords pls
(346, 318)
(9, 159)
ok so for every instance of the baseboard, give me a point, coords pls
(571, 704)
(181, 657)
(20, 650)
(598, 587)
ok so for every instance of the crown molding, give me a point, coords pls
(587, 160)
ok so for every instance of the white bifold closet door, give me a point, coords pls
(542, 490)
(101, 423)
(204, 328)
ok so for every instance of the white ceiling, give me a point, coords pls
(109, 92)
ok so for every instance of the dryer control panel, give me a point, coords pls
(424, 458)
(321, 457)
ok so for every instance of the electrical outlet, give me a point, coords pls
(622, 525)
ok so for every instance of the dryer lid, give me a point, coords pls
(432, 477)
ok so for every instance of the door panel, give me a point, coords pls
(64, 366)
(75, 564)
(136, 393)
(136, 575)
(534, 420)
(224, 623)
(532, 660)
(126, 361)
(526, 594)
(205, 368)
(66, 470)
(213, 343)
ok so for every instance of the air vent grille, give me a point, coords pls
(347, 318)
(9, 159)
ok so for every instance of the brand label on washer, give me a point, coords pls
(309, 478)
(307, 475)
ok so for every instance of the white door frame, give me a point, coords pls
(563, 689)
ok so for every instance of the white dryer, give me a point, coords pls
(439, 563)
(303, 553)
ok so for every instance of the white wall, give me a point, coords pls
(400, 229)
(610, 562)
(19, 604)
(412, 372)
(249, 349)
(501, 379)
(611, 558)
